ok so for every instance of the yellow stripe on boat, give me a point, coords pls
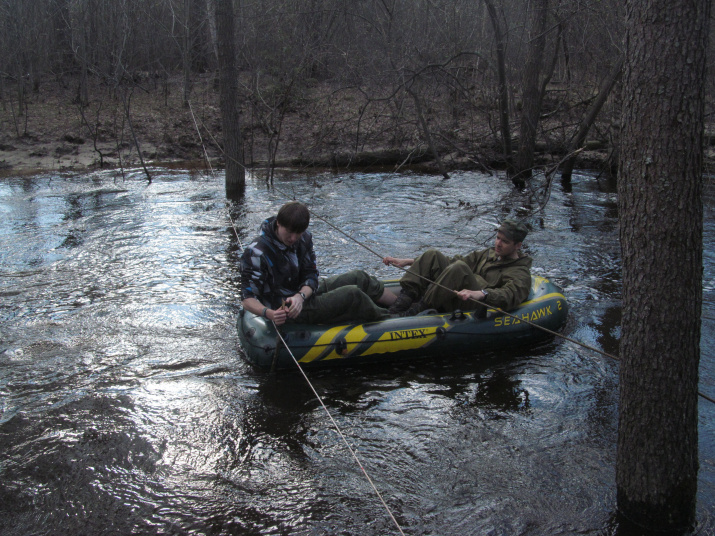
(431, 336)
(544, 298)
(536, 281)
(404, 339)
(352, 339)
(322, 344)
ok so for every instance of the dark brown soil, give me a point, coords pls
(322, 127)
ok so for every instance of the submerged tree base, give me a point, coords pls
(671, 518)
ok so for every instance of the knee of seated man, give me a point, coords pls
(459, 266)
(354, 294)
(347, 291)
(354, 277)
(368, 284)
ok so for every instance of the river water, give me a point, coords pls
(126, 407)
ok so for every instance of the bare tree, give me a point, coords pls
(532, 93)
(427, 133)
(580, 137)
(186, 51)
(228, 82)
(661, 227)
(127, 99)
(78, 19)
(422, 73)
(503, 91)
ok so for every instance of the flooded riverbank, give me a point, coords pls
(126, 406)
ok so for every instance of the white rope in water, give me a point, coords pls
(481, 304)
(340, 433)
(203, 146)
(337, 428)
(312, 388)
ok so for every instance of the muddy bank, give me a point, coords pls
(321, 130)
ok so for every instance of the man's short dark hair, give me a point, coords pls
(294, 216)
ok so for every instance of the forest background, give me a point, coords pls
(432, 84)
(435, 85)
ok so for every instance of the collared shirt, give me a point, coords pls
(508, 280)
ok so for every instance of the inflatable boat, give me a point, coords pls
(426, 335)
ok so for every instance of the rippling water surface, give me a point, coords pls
(126, 407)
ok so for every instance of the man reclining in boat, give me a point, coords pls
(279, 278)
(497, 277)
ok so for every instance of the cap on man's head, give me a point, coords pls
(514, 230)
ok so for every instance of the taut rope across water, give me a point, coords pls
(550, 332)
(312, 388)
(555, 334)
(337, 428)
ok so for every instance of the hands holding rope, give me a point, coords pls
(290, 308)
(474, 295)
(464, 294)
(399, 263)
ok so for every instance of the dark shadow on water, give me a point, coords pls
(283, 412)
(486, 381)
(70, 475)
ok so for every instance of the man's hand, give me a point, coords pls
(476, 295)
(294, 304)
(279, 316)
(400, 263)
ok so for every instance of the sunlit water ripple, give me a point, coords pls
(125, 406)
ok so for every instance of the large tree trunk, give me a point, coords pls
(660, 206)
(531, 94)
(228, 82)
(500, 39)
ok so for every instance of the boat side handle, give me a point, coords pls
(458, 314)
(341, 347)
(441, 333)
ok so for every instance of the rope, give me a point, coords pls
(235, 231)
(318, 397)
(312, 388)
(482, 304)
(203, 146)
(215, 141)
(340, 433)
(208, 162)
(550, 332)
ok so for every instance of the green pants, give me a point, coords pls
(435, 266)
(349, 297)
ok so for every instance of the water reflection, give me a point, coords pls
(124, 402)
(78, 452)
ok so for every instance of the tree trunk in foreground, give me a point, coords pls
(660, 207)
(228, 82)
